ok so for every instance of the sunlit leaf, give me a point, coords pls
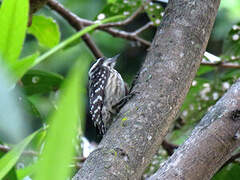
(46, 30)
(10, 159)
(111, 1)
(59, 146)
(26, 171)
(13, 20)
(19, 68)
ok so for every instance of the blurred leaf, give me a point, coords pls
(10, 158)
(111, 1)
(46, 30)
(119, 7)
(13, 20)
(26, 171)
(231, 46)
(231, 171)
(37, 81)
(13, 123)
(19, 68)
(154, 12)
(59, 146)
(75, 37)
(204, 69)
(37, 142)
(12, 173)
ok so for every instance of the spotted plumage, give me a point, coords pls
(106, 89)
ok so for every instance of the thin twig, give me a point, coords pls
(4, 148)
(74, 21)
(126, 21)
(127, 35)
(78, 22)
(220, 64)
(143, 28)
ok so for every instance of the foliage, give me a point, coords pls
(37, 59)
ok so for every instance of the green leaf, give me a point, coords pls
(10, 158)
(231, 171)
(116, 7)
(75, 37)
(154, 12)
(59, 146)
(13, 20)
(46, 30)
(37, 81)
(19, 68)
(111, 1)
(12, 173)
(27, 171)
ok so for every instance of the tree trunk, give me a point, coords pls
(163, 82)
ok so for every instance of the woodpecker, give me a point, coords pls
(107, 90)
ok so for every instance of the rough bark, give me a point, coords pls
(210, 144)
(163, 82)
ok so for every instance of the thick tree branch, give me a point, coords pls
(211, 143)
(164, 80)
(73, 21)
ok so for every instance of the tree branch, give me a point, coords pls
(124, 22)
(211, 143)
(223, 65)
(78, 23)
(164, 80)
(74, 21)
(231, 160)
(4, 148)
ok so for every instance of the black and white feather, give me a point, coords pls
(106, 89)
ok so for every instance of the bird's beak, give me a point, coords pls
(114, 58)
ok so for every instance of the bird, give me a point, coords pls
(107, 92)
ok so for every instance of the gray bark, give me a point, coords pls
(210, 144)
(164, 80)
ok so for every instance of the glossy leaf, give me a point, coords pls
(13, 20)
(37, 81)
(59, 146)
(46, 30)
(10, 158)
